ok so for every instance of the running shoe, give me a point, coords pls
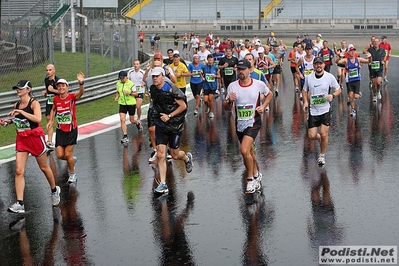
(257, 180)
(207, 110)
(162, 188)
(72, 178)
(375, 98)
(371, 84)
(153, 156)
(189, 163)
(50, 145)
(321, 160)
(276, 93)
(386, 80)
(139, 126)
(251, 186)
(379, 95)
(125, 140)
(300, 96)
(211, 115)
(195, 111)
(55, 196)
(360, 94)
(75, 159)
(353, 113)
(259, 177)
(296, 89)
(17, 208)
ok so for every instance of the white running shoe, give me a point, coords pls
(50, 145)
(72, 178)
(55, 196)
(379, 95)
(321, 160)
(251, 186)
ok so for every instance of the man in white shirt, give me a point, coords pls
(317, 96)
(136, 75)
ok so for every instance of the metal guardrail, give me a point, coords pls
(95, 88)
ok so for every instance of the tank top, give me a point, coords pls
(21, 122)
(353, 70)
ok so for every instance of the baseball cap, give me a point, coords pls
(65, 82)
(176, 52)
(122, 74)
(209, 56)
(22, 84)
(319, 35)
(157, 70)
(195, 55)
(384, 37)
(351, 47)
(299, 36)
(306, 34)
(202, 44)
(318, 59)
(308, 46)
(257, 42)
(261, 50)
(243, 64)
(158, 56)
(176, 55)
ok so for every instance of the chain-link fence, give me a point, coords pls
(25, 49)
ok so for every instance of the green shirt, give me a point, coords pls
(126, 99)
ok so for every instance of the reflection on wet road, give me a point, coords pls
(111, 216)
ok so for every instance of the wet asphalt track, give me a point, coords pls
(112, 218)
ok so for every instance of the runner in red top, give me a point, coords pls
(387, 47)
(64, 111)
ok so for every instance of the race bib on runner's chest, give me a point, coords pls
(209, 77)
(375, 65)
(64, 118)
(318, 99)
(326, 57)
(50, 98)
(21, 124)
(245, 111)
(353, 73)
(228, 71)
(307, 72)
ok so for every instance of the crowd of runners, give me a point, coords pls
(245, 73)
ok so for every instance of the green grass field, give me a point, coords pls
(67, 66)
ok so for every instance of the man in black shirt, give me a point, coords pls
(227, 66)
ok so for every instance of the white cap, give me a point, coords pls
(319, 35)
(176, 52)
(157, 70)
(261, 50)
(62, 81)
(257, 42)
